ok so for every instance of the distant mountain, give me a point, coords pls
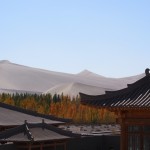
(18, 78)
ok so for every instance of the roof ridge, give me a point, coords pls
(28, 132)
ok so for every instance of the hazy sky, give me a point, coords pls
(108, 37)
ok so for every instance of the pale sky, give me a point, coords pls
(107, 37)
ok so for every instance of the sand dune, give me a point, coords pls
(73, 89)
(18, 78)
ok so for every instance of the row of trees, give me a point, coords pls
(60, 106)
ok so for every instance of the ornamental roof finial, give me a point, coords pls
(147, 71)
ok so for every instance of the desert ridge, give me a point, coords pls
(16, 78)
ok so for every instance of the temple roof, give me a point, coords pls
(35, 132)
(12, 116)
(136, 95)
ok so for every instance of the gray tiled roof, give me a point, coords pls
(136, 95)
(12, 116)
(35, 132)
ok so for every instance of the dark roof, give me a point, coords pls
(11, 115)
(136, 95)
(35, 132)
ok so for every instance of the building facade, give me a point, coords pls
(132, 106)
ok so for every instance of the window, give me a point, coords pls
(138, 137)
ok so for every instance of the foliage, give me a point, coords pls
(60, 106)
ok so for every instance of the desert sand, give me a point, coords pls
(18, 78)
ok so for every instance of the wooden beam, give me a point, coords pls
(55, 146)
(65, 146)
(41, 146)
(29, 147)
